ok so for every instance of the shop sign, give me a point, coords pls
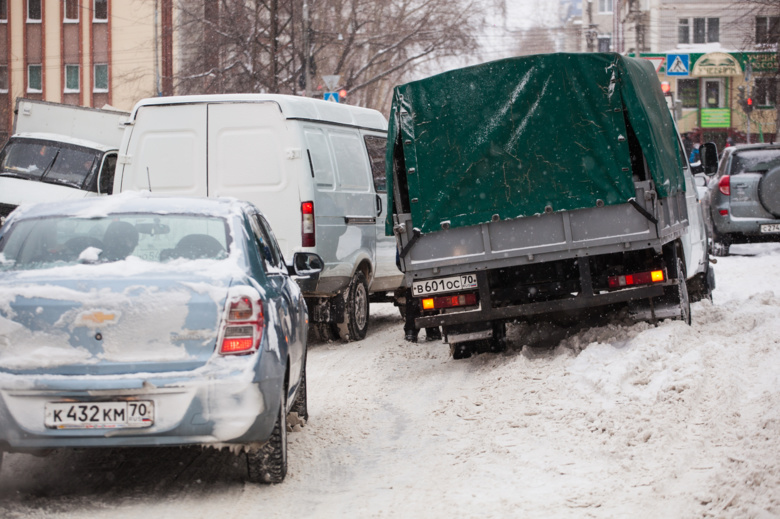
(762, 62)
(717, 64)
(715, 118)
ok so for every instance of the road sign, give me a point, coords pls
(678, 64)
(332, 82)
(331, 96)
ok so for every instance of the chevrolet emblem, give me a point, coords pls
(98, 317)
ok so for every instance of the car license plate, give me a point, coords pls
(440, 286)
(99, 415)
(770, 227)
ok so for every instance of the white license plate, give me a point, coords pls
(443, 285)
(99, 415)
(770, 227)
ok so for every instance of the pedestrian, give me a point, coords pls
(695, 154)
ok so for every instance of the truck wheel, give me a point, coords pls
(497, 343)
(355, 323)
(461, 350)
(301, 403)
(269, 463)
(682, 291)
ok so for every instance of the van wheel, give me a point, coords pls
(269, 463)
(355, 323)
(682, 290)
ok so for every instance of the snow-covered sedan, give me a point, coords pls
(141, 321)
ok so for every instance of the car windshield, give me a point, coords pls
(64, 240)
(747, 160)
(47, 161)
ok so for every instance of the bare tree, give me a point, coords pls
(257, 45)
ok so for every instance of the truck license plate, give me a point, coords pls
(440, 286)
(99, 415)
(770, 227)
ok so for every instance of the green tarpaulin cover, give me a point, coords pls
(528, 135)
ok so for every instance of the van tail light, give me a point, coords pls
(242, 330)
(435, 303)
(307, 224)
(640, 278)
(724, 185)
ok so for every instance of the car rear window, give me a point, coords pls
(63, 240)
(747, 160)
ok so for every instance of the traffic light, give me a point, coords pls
(666, 88)
(342, 94)
(745, 102)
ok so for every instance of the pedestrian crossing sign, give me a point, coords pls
(678, 64)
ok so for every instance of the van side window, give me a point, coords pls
(377, 146)
(351, 160)
(320, 157)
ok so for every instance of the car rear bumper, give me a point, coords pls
(748, 227)
(207, 410)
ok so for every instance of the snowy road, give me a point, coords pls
(617, 421)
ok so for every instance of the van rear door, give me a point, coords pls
(166, 151)
(253, 156)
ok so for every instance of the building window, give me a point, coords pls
(688, 92)
(767, 29)
(71, 79)
(101, 78)
(765, 93)
(3, 11)
(4, 79)
(100, 10)
(605, 42)
(605, 6)
(684, 31)
(705, 30)
(34, 78)
(33, 10)
(71, 10)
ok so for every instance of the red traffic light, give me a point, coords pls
(665, 88)
(750, 101)
(343, 93)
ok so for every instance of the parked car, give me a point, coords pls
(316, 168)
(742, 203)
(138, 321)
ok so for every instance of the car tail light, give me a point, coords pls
(723, 212)
(307, 224)
(243, 327)
(724, 185)
(435, 303)
(640, 278)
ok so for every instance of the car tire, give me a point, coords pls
(769, 191)
(301, 402)
(268, 464)
(720, 245)
(355, 325)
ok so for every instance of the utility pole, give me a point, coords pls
(306, 51)
(590, 35)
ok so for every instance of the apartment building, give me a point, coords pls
(83, 52)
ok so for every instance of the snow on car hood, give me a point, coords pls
(109, 323)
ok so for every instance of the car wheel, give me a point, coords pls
(300, 405)
(269, 463)
(355, 323)
(720, 245)
(769, 191)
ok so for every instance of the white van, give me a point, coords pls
(58, 152)
(316, 169)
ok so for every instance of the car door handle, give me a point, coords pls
(378, 205)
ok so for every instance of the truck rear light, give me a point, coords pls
(435, 303)
(640, 278)
(243, 327)
(724, 185)
(307, 224)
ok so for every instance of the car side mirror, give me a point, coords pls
(306, 264)
(709, 158)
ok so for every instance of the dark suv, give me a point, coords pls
(743, 199)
